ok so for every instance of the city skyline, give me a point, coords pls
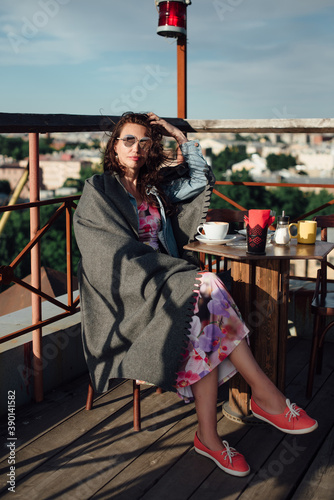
(254, 59)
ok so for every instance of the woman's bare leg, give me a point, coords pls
(264, 392)
(205, 394)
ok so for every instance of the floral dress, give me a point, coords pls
(216, 326)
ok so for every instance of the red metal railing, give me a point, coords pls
(272, 184)
(35, 124)
(7, 275)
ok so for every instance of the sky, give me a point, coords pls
(245, 58)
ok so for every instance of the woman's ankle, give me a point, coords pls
(274, 403)
(210, 440)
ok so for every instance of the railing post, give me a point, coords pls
(37, 361)
(69, 262)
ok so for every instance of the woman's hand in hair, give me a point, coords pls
(167, 128)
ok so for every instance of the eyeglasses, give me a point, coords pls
(129, 140)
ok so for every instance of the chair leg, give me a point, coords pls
(90, 397)
(319, 334)
(136, 403)
(322, 325)
(136, 407)
(313, 358)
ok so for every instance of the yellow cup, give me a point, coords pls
(306, 231)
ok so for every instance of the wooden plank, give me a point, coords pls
(242, 289)
(49, 444)
(307, 125)
(97, 456)
(34, 122)
(33, 420)
(283, 329)
(318, 482)
(297, 358)
(298, 384)
(257, 291)
(265, 302)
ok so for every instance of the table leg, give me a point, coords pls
(260, 290)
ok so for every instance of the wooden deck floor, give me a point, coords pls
(63, 451)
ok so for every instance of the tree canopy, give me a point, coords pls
(279, 162)
(224, 160)
(17, 148)
(16, 235)
(256, 197)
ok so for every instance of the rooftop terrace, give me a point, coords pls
(62, 451)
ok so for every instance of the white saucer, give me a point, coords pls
(204, 239)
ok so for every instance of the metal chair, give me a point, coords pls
(322, 306)
(136, 402)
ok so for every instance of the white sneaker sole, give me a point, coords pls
(228, 471)
(287, 431)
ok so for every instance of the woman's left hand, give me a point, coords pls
(167, 128)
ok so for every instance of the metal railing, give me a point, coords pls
(273, 184)
(7, 275)
(35, 124)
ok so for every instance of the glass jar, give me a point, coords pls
(282, 233)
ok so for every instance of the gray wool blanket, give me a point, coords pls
(136, 303)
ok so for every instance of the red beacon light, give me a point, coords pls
(172, 18)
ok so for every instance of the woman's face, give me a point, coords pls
(133, 156)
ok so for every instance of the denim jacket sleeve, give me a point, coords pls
(190, 186)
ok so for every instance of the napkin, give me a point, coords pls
(260, 218)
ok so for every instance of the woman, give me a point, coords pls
(148, 312)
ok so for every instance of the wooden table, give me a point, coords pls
(260, 288)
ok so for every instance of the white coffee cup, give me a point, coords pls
(214, 230)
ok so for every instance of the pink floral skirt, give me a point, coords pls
(216, 329)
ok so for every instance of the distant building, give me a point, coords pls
(12, 172)
(256, 165)
(317, 164)
(216, 147)
(55, 172)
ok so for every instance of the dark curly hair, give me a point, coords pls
(150, 173)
